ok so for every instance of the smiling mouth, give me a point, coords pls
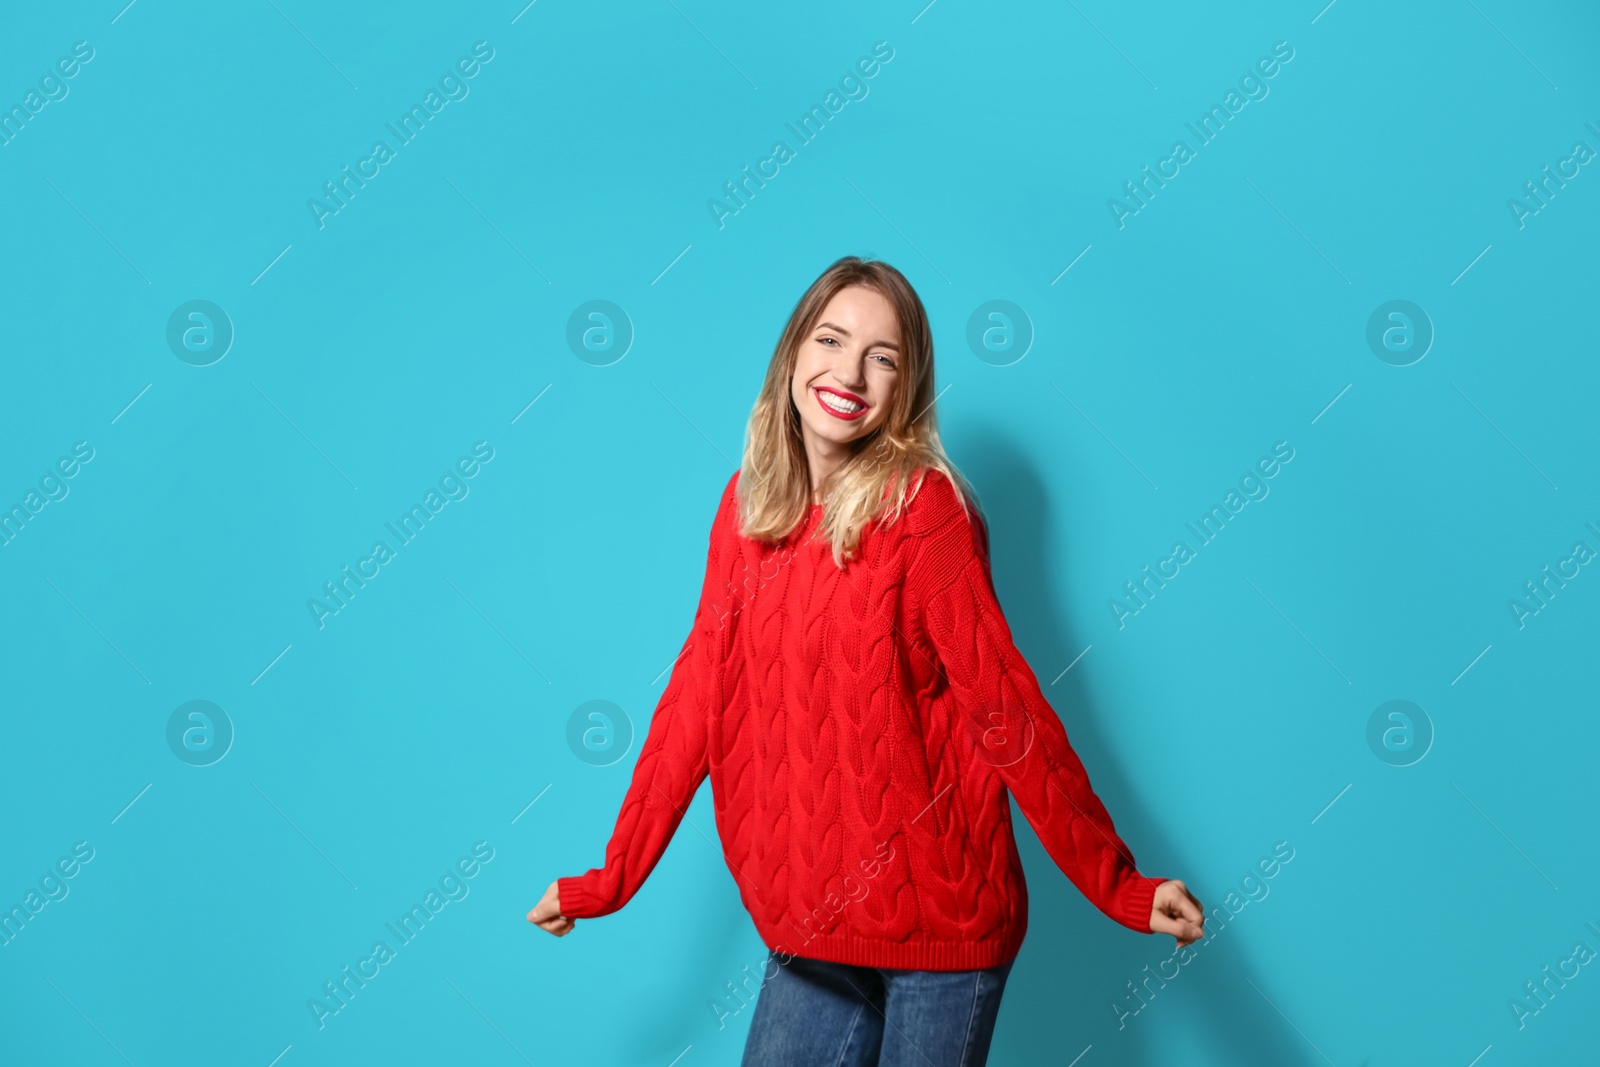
(839, 406)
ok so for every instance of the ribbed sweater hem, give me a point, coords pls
(919, 955)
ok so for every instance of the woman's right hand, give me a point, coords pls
(547, 913)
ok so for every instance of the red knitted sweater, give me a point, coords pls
(861, 729)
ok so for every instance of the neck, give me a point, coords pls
(822, 459)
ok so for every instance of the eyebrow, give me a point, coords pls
(841, 329)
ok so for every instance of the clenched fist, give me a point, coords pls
(1175, 911)
(547, 913)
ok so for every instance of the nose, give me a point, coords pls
(849, 371)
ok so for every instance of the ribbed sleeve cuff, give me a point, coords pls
(576, 900)
(1137, 902)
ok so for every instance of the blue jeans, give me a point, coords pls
(812, 1013)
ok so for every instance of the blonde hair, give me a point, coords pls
(884, 469)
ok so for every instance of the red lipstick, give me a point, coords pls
(846, 399)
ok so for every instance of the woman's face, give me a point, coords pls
(847, 370)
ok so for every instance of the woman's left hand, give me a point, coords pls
(1175, 911)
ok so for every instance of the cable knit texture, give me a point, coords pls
(862, 729)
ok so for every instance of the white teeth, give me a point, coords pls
(839, 404)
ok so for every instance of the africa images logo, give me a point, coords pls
(452, 87)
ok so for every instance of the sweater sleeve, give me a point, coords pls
(1006, 716)
(673, 760)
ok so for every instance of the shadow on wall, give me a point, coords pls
(1075, 962)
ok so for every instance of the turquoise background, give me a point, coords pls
(431, 313)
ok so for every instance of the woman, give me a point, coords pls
(851, 688)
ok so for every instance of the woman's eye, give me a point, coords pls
(827, 339)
